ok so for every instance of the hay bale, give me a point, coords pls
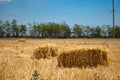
(22, 40)
(83, 58)
(46, 51)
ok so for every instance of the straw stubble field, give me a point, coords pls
(18, 59)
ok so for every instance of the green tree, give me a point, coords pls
(98, 31)
(15, 28)
(110, 31)
(95, 31)
(50, 29)
(104, 31)
(65, 30)
(35, 29)
(23, 30)
(86, 31)
(77, 30)
(32, 30)
(43, 29)
(117, 31)
(92, 32)
(7, 28)
(1, 32)
(1, 29)
(53, 29)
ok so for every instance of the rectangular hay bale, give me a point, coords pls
(45, 51)
(83, 58)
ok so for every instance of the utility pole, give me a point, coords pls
(113, 16)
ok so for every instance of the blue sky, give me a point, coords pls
(83, 12)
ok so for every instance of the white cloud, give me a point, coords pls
(5, 0)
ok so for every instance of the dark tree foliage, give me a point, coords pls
(78, 30)
(56, 30)
(15, 28)
(1, 29)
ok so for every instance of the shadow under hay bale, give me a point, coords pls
(83, 58)
(46, 51)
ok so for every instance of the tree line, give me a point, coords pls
(56, 30)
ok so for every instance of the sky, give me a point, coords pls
(83, 12)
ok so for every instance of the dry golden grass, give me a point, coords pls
(16, 62)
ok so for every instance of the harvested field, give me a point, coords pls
(16, 62)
